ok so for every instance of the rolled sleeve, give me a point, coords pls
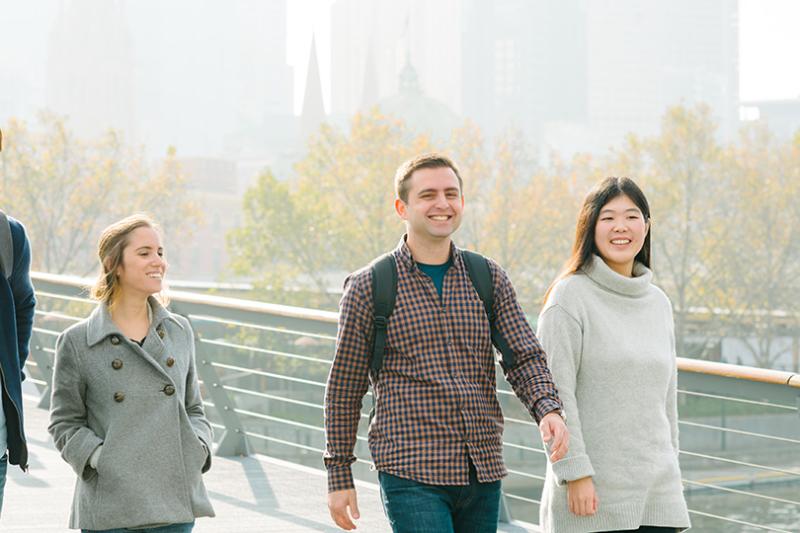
(572, 467)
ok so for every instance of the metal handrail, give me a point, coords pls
(758, 375)
(212, 302)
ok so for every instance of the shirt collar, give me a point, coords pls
(403, 255)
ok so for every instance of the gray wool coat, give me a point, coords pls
(143, 405)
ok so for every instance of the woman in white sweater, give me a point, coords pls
(608, 334)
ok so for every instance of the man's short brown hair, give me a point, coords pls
(433, 160)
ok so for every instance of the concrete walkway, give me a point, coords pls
(252, 494)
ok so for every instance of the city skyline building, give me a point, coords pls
(90, 75)
(371, 41)
(576, 75)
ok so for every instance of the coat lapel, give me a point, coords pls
(100, 326)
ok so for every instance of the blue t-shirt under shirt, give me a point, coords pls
(436, 272)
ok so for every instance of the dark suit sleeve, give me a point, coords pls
(22, 289)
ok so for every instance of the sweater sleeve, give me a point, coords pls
(561, 336)
(671, 403)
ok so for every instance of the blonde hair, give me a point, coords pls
(113, 241)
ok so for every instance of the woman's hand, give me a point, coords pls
(581, 497)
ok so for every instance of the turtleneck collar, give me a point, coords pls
(599, 272)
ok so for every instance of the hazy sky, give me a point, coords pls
(769, 42)
(768, 47)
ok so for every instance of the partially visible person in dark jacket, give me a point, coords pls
(126, 411)
(16, 322)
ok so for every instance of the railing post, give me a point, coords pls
(45, 365)
(233, 441)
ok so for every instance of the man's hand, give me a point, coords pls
(581, 497)
(554, 433)
(338, 503)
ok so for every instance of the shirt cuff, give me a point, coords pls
(544, 406)
(340, 478)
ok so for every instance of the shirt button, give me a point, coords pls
(160, 332)
(116, 364)
(119, 396)
(170, 361)
(114, 340)
(169, 390)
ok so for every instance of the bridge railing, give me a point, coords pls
(263, 369)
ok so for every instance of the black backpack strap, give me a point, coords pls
(6, 247)
(481, 276)
(384, 294)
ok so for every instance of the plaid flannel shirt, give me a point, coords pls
(435, 398)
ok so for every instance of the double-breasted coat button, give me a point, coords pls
(169, 390)
(114, 340)
(116, 364)
(119, 396)
(160, 332)
(170, 361)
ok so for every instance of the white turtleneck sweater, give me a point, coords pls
(610, 346)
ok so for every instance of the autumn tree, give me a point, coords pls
(337, 214)
(528, 215)
(760, 261)
(680, 170)
(335, 217)
(66, 189)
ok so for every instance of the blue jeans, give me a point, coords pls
(172, 528)
(414, 507)
(3, 472)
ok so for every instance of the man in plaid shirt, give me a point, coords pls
(436, 437)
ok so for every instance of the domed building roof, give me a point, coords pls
(420, 113)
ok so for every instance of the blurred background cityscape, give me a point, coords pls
(264, 135)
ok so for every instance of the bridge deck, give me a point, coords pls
(251, 494)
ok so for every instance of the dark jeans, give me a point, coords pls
(172, 528)
(414, 507)
(648, 529)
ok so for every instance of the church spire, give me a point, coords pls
(313, 107)
(369, 90)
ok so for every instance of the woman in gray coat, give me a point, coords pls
(126, 409)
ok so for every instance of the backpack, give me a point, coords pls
(384, 294)
(6, 247)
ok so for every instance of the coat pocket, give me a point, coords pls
(196, 455)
